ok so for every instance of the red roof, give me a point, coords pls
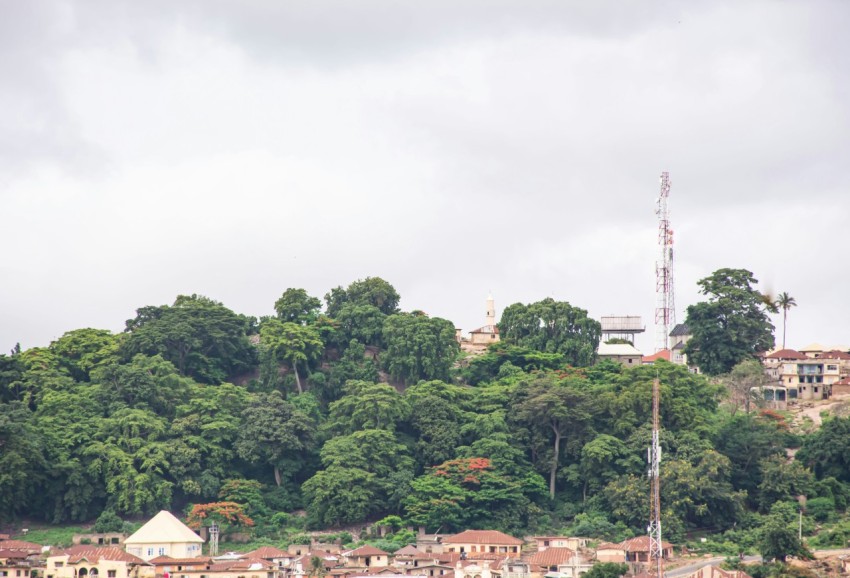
(94, 554)
(366, 551)
(552, 557)
(408, 551)
(20, 545)
(835, 354)
(786, 354)
(663, 354)
(845, 381)
(609, 546)
(14, 554)
(168, 560)
(483, 537)
(641, 544)
(268, 552)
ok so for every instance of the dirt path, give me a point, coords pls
(814, 412)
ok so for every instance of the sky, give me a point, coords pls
(454, 148)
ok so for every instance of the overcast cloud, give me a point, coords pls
(235, 149)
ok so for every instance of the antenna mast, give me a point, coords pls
(656, 547)
(665, 307)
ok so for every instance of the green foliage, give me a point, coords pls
(827, 451)
(606, 570)
(293, 344)
(372, 291)
(367, 406)
(821, 509)
(503, 358)
(731, 326)
(779, 536)
(551, 326)
(201, 337)
(82, 350)
(296, 306)
(108, 521)
(418, 347)
(783, 481)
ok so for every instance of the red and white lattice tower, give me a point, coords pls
(665, 305)
(656, 545)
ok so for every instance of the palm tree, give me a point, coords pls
(785, 302)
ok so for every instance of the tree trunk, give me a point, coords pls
(297, 379)
(784, 321)
(277, 475)
(554, 469)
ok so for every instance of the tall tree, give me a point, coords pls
(559, 409)
(372, 291)
(291, 343)
(296, 306)
(785, 302)
(731, 326)
(366, 405)
(274, 432)
(201, 337)
(418, 347)
(552, 327)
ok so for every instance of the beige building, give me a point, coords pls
(624, 353)
(483, 541)
(608, 552)
(485, 335)
(164, 535)
(561, 561)
(573, 543)
(366, 557)
(96, 562)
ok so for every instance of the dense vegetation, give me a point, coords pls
(362, 412)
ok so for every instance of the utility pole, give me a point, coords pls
(656, 546)
(665, 304)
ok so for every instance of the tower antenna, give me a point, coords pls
(656, 546)
(665, 306)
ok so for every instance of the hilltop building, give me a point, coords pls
(485, 335)
(164, 535)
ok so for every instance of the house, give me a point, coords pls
(405, 557)
(96, 562)
(164, 535)
(559, 562)
(20, 546)
(679, 337)
(280, 558)
(544, 542)
(650, 359)
(490, 541)
(624, 353)
(239, 568)
(366, 557)
(773, 362)
(608, 552)
(637, 549)
(177, 567)
(476, 569)
(485, 335)
(18, 563)
(841, 387)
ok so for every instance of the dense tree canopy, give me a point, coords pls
(731, 326)
(551, 326)
(366, 412)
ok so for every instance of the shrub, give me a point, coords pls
(108, 521)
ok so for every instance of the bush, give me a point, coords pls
(108, 521)
(822, 509)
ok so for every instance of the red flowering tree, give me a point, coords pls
(466, 493)
(228, 515)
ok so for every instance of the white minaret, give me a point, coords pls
(491, 311)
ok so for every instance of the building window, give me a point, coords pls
(162, 551)
(58, 564)
(150, 551)
(110, 573)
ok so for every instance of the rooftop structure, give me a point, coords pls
(621, 327)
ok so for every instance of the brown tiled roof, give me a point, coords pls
(552, 556)
(835, 355)
(641, 544)
(94, 554)
(14, 554)
(268, 552)
(20, 545)
(845, 381)
(408, 551)
(786, 354)
(366, 550)
(609, 546)
(168, 560)
(483, 537)
(663, 354)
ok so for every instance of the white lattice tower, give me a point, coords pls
(665, 305)
(656, 546)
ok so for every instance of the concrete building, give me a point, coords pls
(164, 535)
(489, 332)
(624, 353)
(366, 557)
(573, 543)
(96, 562)
(483, 541)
